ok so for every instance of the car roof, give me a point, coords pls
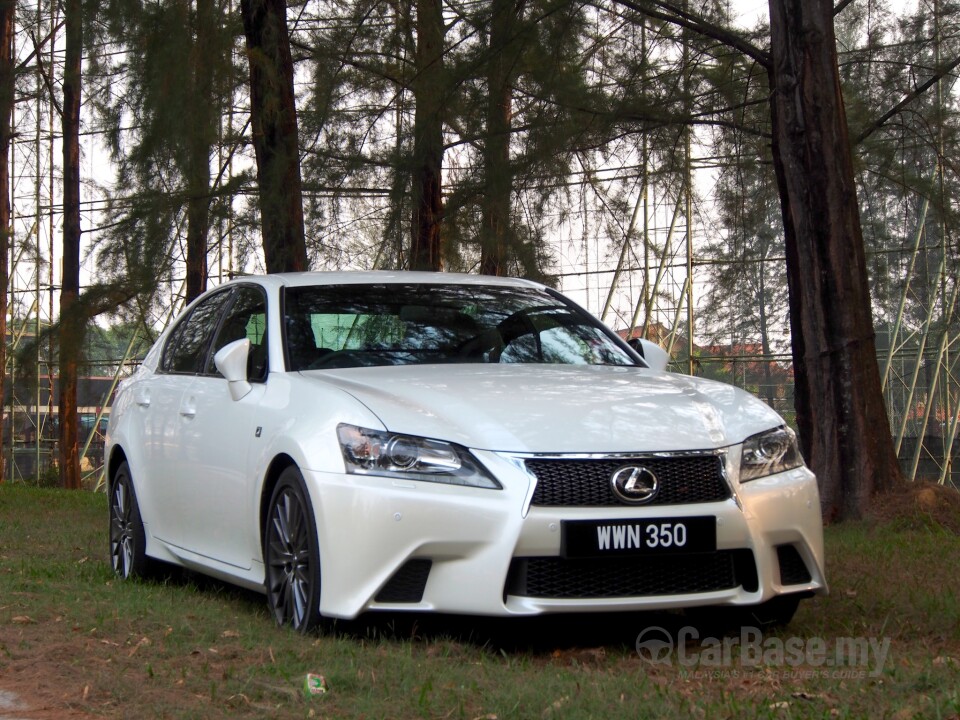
(381, 277)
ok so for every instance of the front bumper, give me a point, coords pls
(396, 545)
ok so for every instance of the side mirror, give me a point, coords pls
(654, 355)
(231, 361)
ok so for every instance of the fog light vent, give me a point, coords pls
(793, 571)
(407, 584)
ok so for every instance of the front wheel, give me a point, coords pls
(775, 612)
(128, 542)
(291, 555)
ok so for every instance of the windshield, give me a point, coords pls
(337, 326)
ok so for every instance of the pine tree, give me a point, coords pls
(71, 320)
(8, 9)
(504, 49)
(429, 91)
(273, 115)
(199, 142)
(161, 77)
(838, 392)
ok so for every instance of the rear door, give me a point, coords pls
(159, 403)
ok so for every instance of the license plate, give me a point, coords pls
(653, 536)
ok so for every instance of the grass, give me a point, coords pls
(79, 643)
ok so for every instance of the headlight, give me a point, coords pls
(374, 452)
(769, 452)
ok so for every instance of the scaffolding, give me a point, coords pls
(645, 281)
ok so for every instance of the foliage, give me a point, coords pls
(158, 74)
(901, 166)
(107, 347)
(601, 98)
(557, 128)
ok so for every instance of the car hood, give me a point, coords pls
(555, 408)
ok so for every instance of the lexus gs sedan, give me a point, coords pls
(350, 442)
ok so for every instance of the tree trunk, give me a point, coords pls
(200, 140)
(273, 117)
(198, 227)
(71, 326)
(840, 411)
(495, 229)
(8, 10)
(768, 393)
(428, 90)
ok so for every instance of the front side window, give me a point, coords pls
(245, 318)
(186, 348)
(363, 325)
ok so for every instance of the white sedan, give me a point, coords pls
(347, 442)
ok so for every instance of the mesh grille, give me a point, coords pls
(552, 577)
(407, 583)
(586, 483)
(793, 571)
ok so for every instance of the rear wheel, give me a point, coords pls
(128, 542)
(291, 555)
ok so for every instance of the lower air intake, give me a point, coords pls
(554, 577)
(793, 570)
(407, 584)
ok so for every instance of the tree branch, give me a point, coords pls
(37, 45)
(839, 7)
(879, 122)
(43, 74)
(671, 13)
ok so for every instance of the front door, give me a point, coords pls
(217, 441)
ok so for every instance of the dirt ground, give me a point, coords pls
(38, 688)
(919, 505)
(14, 707)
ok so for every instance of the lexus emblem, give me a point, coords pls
(634, 484)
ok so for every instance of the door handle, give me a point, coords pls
(142, 398)
(188, 408)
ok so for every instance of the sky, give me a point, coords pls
(748, 11)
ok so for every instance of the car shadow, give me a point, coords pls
(541, 634)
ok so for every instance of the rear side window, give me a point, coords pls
(186, 348)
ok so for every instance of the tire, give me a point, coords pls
(291, 555)
(128, 541)
(776, 612)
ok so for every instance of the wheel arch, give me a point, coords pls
(280, 463)
(116, 459)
